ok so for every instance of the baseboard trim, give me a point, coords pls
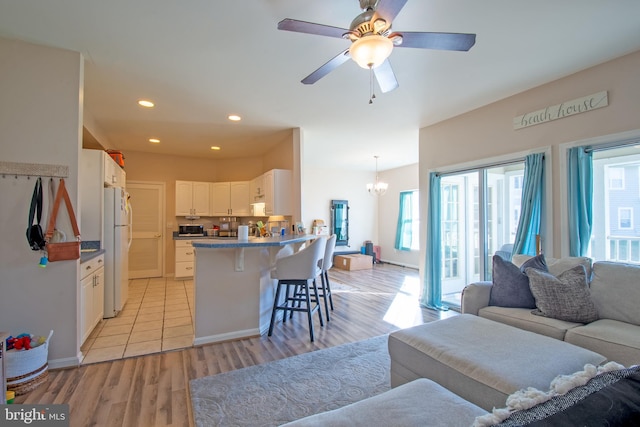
(247, 333)
(399, 264)
(67, 362)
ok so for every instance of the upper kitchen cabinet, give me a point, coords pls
(230, 198)
(256, 190)
(277, 190)
(192, 198)
(114, 175)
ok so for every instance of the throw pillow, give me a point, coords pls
(565, 297)
(510, 283)
(558, 265)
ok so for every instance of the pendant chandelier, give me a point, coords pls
(379, 188)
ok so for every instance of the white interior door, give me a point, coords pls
(146, 255)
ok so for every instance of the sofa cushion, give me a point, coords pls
(615, 290)
(523, 318)
(617, 341)
(558, 265)
(511, 284)
(565, 297)
(411, 404)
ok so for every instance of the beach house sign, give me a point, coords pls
(560, 111)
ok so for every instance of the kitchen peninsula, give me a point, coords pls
(233, 288)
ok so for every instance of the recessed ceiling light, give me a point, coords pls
(154, 140)
(234, 117)
(215, 147)
(146, 103)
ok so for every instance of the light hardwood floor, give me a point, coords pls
(153, 390)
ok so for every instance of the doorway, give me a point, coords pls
(146, 255)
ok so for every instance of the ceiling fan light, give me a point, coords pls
(371, 51)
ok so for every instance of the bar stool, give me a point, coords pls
(298, 271)
(325, 286)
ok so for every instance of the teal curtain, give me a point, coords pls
(531, 206)
(580, 199)
(405, 222)
(432, 289)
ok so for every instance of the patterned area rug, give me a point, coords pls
(341, 287)
(285, 390)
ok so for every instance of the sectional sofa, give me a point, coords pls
(614, 290)
(470, 371)
(457, 371)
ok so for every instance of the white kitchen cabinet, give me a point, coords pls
(277, 190)
(114, 175)
(230, 198)
(185, 257)
(256, 190)
(91, 295)
(192, 198)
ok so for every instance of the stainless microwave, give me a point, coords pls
(190, 230)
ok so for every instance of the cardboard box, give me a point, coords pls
(353, 262)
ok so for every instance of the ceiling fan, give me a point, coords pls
(372, 40)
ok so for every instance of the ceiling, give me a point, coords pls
(200, 61)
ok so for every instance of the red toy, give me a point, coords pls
(19, 343)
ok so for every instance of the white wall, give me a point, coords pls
(488, 131)
(40, 122)
(320, 186)
(399, 179)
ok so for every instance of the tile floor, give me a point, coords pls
(157, 317)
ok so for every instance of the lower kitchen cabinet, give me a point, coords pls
(185, 256)
(91, 295)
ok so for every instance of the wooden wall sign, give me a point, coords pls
(560, 111)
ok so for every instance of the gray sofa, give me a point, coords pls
(614, 289)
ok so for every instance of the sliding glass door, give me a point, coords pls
(616, 205)
(480, 214)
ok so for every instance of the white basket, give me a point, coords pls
(23, 362)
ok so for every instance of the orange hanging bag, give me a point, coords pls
(62, 251)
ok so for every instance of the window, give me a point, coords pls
(616, 178)
(616, 202)
(479, 218)
(407, 233)
(625, 219)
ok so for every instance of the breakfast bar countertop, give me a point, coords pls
(233, 242)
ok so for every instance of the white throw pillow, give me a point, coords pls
(558, 266)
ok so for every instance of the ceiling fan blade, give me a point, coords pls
(388, 9)
(385, 77)
(442, 41)
(329, 66)
(311, 28)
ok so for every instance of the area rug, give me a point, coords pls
(285, 390)
(341, 287)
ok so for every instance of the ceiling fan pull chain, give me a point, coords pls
(372, 95)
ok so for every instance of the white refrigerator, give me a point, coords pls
(117, 241)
